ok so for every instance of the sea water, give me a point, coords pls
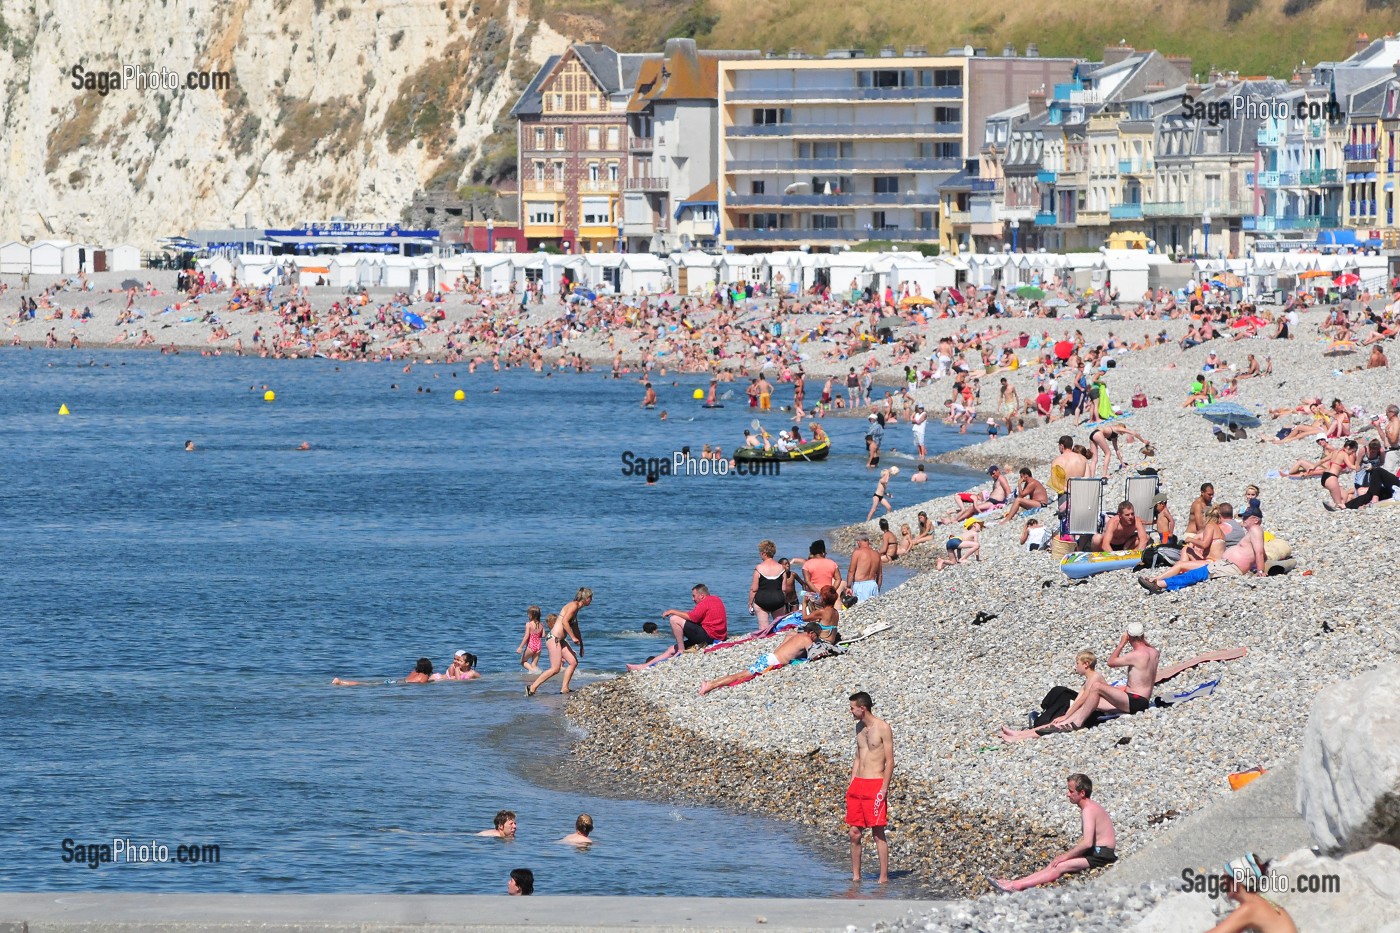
(171, 621)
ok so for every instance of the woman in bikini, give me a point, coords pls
(1100, 438)
(564, 628)
(1338, 462)
(766, 597)
(882, 493)
(1199, 546)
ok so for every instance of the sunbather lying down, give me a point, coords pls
(794, 646)
(1099, 696)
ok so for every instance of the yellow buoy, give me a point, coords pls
(459, 395)
(269, 396)
(63, 409)
(698, 393)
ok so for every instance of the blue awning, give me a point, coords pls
(1351, 176)
(1389, 186)
(1370, 176)
(1339, 237)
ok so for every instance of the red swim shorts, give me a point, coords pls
(865, 803)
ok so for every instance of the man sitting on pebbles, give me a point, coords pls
(792, 648)
(1098, 695)
(1093, 850)
(968, 545)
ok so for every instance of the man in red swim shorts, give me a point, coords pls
(867, 797)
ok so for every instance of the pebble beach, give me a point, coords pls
(965, 806)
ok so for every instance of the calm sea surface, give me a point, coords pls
(170, 621)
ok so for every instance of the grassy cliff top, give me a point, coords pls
(1252, 37)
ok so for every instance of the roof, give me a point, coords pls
(531, 101)
(706, 195)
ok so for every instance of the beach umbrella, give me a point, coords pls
(957, 296)
(1229, 413)
(1346, 278)
(586, 294)
(1314, 274)
(916, 301)
(893, 320)
(1250, 320)
(413, 320)
(130, 283)
(1030, 291)
(1064, 350)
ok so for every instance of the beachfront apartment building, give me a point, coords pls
(828, 152)
(673, 149)
(573, 148)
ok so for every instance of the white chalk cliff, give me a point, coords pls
(337, 107)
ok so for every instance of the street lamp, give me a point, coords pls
(490, 235)
(1205, 225)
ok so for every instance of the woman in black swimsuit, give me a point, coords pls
(766, 597)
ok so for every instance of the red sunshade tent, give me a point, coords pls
(1064, 350)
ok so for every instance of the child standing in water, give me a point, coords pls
(529, 649)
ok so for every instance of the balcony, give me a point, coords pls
(1134, 167)
(1046, 177)
(986, 186)
(599, 186)
(904, 199)
(1360, 152)
(542, 186)
(1165, 209)
(788, 235)
(646, 183)
(1261, 179)
(1267, 136)
(1319, 176)
(786, 95)
(843, 165)
(1045, 219)
(545, 231)
(958, 217)
(1091, 219)
(844, 130)
(1125, 212)
(1278, 224)
(641, 144)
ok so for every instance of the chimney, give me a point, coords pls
(1193, 90)
(915, 51)
(1008, 51)
(796, 53)
(1363, 42)
(1035, 102)
(887, 51)
(1114, 54)
(1032, 50)
(1181, 63)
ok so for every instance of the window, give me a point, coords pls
(539, 171)
(613, 137)
(954, 115)
(558, 137)
(887, 184)
(704, 212)
(593, 136)
(612, 171)
(559, 171)
(758, 187)
(947, 77)
(924, 220)
(771, 116)
(593, 171)
(592, 101)
(541, 212)
(558, 101)
(596, 211)
(833, 150)
(877, 220)
(826, 222)
(539, 137)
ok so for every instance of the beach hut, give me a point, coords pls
(1128, 269)
(849, 272)
(922, 276)
(123, 258)
(397, 272)
(217, 268)
(603, 272)
(46, 257)
(256, 271)
(694, 272)
(452, 268)
(735, 269)
(343, 270)
(495, 271)
(14, 258)
(782, 271)
(644, 274)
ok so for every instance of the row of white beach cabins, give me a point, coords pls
(61, 257)
(1130, 272)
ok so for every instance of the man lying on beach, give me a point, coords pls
(793, 647)
(1237, 561)
(422, 674)
(704, 625)
(1098, 695)
(505, 826)
(1093, 850)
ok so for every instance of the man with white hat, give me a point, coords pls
(916, 424)
(874, 434)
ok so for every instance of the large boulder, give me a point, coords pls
(1349, 765)
(1364, 898)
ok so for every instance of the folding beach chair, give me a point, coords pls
(1140, 491)
(1085, 505)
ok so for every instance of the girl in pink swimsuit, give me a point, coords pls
(529, 649)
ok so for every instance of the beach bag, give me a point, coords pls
(1056, 703)
(1276, 549)
(1139, 398)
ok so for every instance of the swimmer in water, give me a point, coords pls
(663, 414)
(189, 445)
(422, 674)
(583, 832)
(649, 400)
(304, 446)
(496, 391)
(529, 648)
(505, 826)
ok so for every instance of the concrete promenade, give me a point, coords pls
(60, 912)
